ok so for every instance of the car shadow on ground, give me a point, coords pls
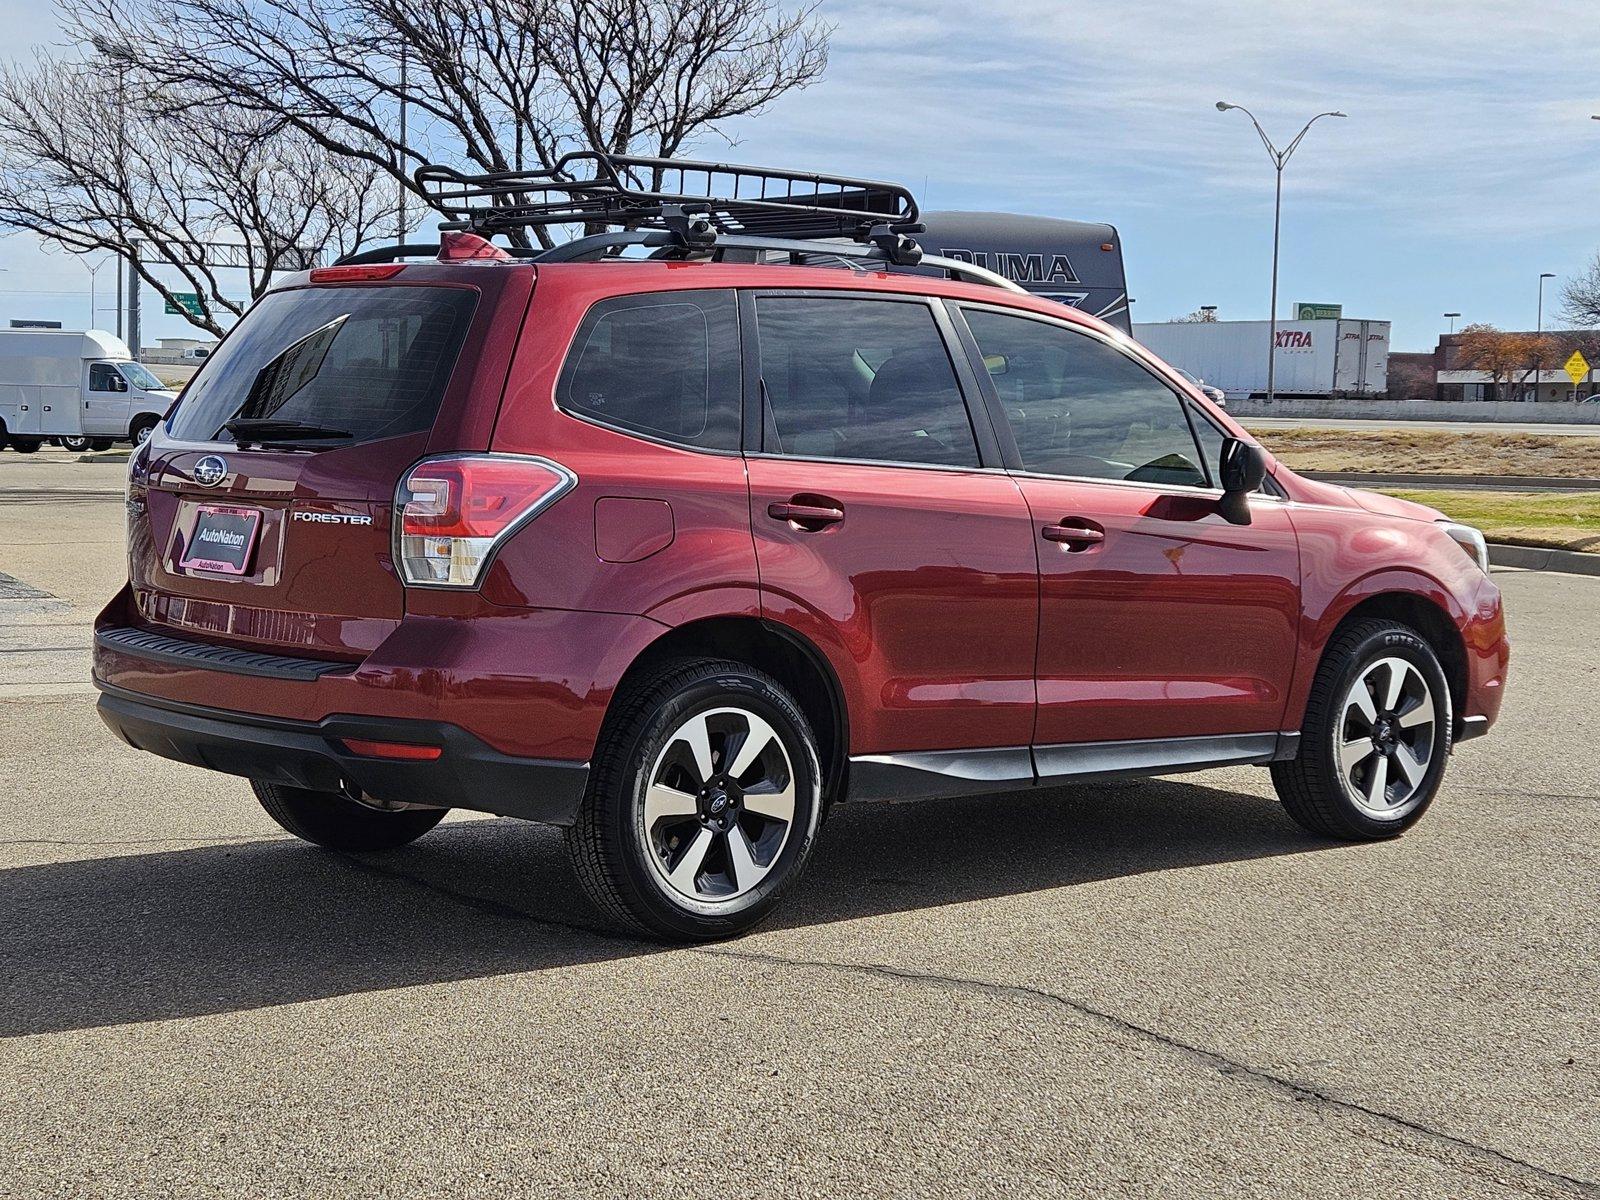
(224, 928)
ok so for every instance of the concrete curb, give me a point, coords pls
(1537, 558)
(106, 456)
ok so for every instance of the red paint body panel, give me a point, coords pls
(924, 598)
(931, 600)
(1178, 624)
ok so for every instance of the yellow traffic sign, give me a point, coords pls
(1577, 367)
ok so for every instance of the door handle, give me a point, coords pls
(807, 516)
(1073, 536)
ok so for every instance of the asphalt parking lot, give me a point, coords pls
(1160, 988)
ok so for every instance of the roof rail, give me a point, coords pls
(634, 191)
(800, 253)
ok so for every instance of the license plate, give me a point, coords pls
(224, 538)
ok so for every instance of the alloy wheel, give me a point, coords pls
(719, 805)
(1385, 738)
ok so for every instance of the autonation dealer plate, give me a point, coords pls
(224, 537)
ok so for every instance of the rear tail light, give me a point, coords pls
(456, 510)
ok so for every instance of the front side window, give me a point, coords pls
(103, 377)
(137, 375)
(1080, 407)
(860, 379)
(665, 365)
(369, 362)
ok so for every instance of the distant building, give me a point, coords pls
(1455, 380)
(178, 350)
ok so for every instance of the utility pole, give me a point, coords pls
(400, 209)
(133, 298)
(1538, 352)
(1280, 159)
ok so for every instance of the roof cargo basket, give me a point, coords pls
(696, 199)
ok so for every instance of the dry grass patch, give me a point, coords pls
(1429, 452)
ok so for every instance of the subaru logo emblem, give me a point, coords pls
(210, 470)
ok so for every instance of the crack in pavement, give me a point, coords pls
(1485, 1156)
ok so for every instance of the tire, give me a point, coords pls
(718, 853)
(139, 431)
(340, 823)
(26, 445)
(75, 444)
(1363, 775)
(101, 443)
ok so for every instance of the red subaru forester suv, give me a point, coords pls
(677, 551)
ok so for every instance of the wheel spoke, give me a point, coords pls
(741, 860)
(682, 875)
(1361, 699)
(1397, 681)
(1353, 753)
(1422, 714)
(697, 736)
(1410, 765)
(1378, 782)
(755, 741)
(662, 801)
(778, 805)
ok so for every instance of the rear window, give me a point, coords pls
(373, 362)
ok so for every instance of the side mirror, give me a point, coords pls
(1243, 468)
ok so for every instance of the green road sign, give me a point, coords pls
(1318, 312)
(184, 302)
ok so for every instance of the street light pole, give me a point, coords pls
(1538, 350)
(1280, 159)
(1452, 317)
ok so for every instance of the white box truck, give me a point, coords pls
(1312, 359)
(81, 389)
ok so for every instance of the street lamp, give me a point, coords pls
(94, 273)
(1538, 350)
(1452, 317)
(1280, 159)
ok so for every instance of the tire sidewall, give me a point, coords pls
(677, 913)
(1389, 643)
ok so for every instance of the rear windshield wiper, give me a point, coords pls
(250, 431)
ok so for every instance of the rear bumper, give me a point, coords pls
(310, 754)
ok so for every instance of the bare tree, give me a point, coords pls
(1509, 359)
(93, 165)
(1580, 296)
(1200, 316)
(492, 84)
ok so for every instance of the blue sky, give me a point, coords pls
(1468, 164)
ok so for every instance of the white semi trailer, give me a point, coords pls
(81, 389)
(1312, 359)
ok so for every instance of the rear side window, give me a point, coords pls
(860, 379)
(1080, 407)
(665, 365)
(372, 362)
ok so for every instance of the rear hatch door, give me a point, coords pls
(262, 515)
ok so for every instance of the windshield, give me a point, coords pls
(372, 362)
(137, 375)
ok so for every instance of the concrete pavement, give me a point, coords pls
(1155, 988)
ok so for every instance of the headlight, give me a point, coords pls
(1472, 541)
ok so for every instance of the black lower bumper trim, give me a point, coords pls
(468, 774)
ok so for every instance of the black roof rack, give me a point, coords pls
(696, 199)
(681, 208)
